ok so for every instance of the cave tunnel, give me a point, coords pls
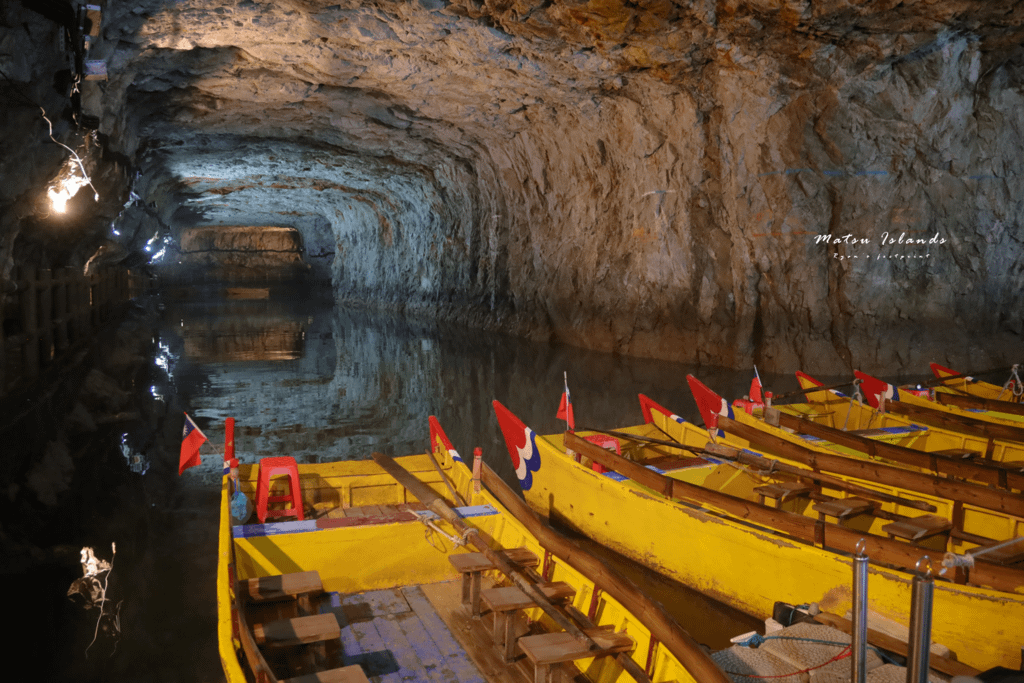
(824, 186)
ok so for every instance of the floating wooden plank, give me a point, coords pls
(282, 586)
(298, 631)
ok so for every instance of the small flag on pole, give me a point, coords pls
(755, 388)
(191, 440)
(565, 407)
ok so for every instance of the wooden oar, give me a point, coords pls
(818, 533)
(978, 403)
(662, 626)
(986, 471)
(964, 424)
(1004, 502)
(437, 505)
(763, 463)
(444, 477)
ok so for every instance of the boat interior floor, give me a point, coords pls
(411, 634)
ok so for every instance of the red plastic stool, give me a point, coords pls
(606, 442)
(270, 467)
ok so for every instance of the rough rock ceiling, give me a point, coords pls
(646, 177)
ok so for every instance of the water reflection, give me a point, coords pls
(318, 382)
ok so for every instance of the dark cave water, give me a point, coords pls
(304, 377)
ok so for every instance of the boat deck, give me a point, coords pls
(409, 634)
(397, 635)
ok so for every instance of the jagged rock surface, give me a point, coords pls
(646, 177)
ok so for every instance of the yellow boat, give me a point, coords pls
(920, 404)
(972, 394)
(884, 500)
(372, 585)
(852, 427)
(744, 553)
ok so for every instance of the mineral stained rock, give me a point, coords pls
(826, 185)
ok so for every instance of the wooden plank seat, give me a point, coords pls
(841, 508)
(298, 631)
(471, 565)
(552, 648)
(917, 528)
(780, 491)
(281, 586)
(346, 674)
(504, 601)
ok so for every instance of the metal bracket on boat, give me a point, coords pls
(858, 397)
(952, 560)
(772, 416)
(927, 571)
(1013, 384)
(427, 519)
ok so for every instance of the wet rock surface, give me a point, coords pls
(650, 178)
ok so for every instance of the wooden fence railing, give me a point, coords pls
(47, 312)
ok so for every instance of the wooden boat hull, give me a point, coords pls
(836, 410)
(970, 386)
(920, 404)
(749, 567)
(354, 557)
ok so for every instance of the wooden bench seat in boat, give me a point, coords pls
(553, 648)
(504, 601)
(841, 508)
(779, 492)
(346, 674)
(917, 528)
(298, 631)
(281, 586)
(471, 565)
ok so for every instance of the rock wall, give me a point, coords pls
(821, 185)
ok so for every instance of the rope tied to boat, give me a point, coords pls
(858, 397)
(427, 519)
(952, 561)
(1013, 385)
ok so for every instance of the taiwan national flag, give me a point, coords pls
(191, 439)
(565, 408)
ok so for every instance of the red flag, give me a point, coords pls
(755, 390)
(565, 410)
(191, 439)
